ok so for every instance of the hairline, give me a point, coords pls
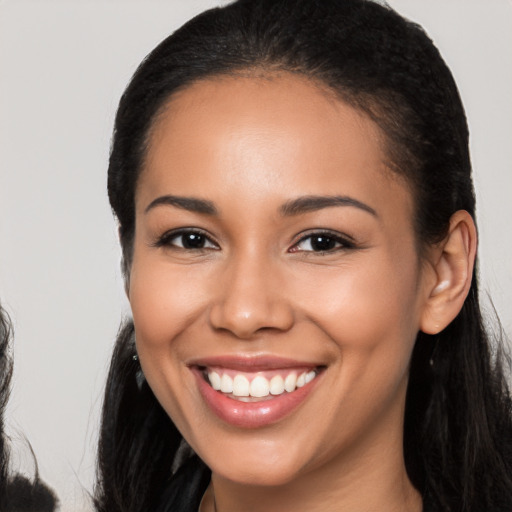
(360, 101)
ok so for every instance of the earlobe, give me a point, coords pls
(453, 270)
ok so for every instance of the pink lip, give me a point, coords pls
(251, 415)
(252, 363)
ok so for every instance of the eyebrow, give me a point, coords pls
(191, 204)
(306, 204)
(293, 207)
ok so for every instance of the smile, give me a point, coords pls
(262, 385)
(254, 393)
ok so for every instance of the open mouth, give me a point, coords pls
(255, 392)
(257, 386)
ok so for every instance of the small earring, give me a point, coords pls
(140, 378)
(139, 375)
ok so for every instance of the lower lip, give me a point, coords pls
(252, 414)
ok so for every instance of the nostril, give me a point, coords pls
(246, 305)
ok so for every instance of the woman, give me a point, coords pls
(293, 189)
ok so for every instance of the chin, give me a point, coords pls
(258, 463)
(262, 476)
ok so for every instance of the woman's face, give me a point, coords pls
(274, 257)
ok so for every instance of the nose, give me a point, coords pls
(251, 298)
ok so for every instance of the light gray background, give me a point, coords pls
(63, 66)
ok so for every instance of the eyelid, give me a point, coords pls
(164, 239)
(346, 241)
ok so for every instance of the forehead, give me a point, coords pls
(283, 133)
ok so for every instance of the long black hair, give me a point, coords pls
(17, 492)
(5, 381)
(458, 417)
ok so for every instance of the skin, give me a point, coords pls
(250, 145)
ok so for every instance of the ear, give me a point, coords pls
(452, 262)
(125, 268)
(126, 278)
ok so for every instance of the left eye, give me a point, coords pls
(187, 240)
(320, 242)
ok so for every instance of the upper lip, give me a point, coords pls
(251, 363)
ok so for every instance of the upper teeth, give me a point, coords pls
(259, 386)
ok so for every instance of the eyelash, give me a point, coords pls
(166, 239)
(343, 242)
(340, 242)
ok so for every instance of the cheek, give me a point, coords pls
(163, 301)
(371, 319)
(164, 305)
(368, 309)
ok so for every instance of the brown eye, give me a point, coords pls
(192, 241)
(186, 239)
(322, 242)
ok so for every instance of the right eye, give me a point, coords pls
(188, 239)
